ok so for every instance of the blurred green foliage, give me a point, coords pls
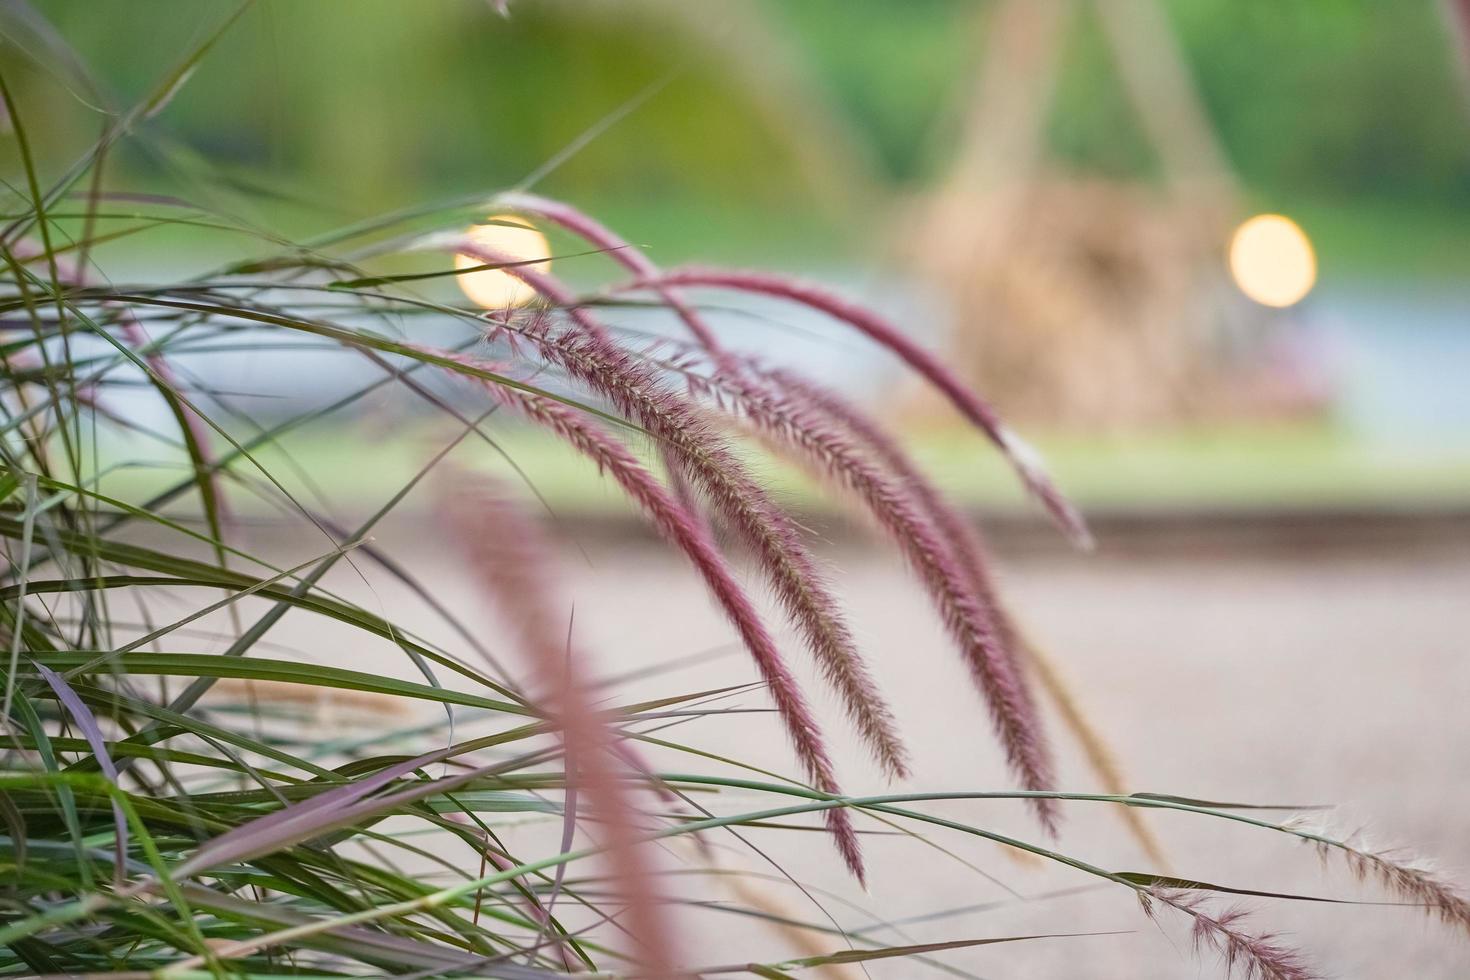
(1345, 96)
(754, 107)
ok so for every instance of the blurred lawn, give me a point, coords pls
(1242, 467)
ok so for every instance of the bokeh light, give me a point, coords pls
(1272, 260)
(495, 289)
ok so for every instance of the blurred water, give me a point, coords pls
(1402, 359)
(1395, 357)
(1221, 676)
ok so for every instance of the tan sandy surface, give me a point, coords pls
(1336, 679)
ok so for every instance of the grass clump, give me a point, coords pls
(169, 806)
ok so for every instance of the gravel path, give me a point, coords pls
(1241, 678)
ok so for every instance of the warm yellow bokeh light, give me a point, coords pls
(1272, 260)
(494, 289)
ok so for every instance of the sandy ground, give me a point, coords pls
(1233, 677)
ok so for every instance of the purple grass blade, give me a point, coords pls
(92, 732)
(298, 821)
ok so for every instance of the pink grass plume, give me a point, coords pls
(509, 555)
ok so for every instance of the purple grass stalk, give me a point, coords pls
(1407, 876)
(630, 257)
(508, 553)
(691, 537)
(1022, 457)
(1416, 883)
(1256, 956)
(877, 726)
(971, 623)
(274, 830)
(958, 532)
(707, 461)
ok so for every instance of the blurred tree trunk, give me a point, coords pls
(1457, 19)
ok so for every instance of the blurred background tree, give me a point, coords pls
(771, 105)
(802, 135)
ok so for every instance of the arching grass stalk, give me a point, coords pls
(822, 431)
(1252, 952)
